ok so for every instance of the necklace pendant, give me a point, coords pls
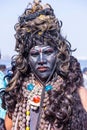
(35, 103)
(30, 87)
(48, 87)
(36, 99)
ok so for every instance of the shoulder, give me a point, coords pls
(1, 75)
(8, 122)
(3, 82)
(83, 96)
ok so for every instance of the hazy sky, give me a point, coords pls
(73, 14)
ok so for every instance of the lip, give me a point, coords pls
(42, 69)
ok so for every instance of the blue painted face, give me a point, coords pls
(42, 59)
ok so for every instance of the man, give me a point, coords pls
(46, 90)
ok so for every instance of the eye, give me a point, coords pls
(34, 53)
(49, 51)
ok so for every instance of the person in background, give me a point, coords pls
(3, 68)
(46, 89)
(85, 77)
(2, 88)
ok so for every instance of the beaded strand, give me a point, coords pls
(32, 94)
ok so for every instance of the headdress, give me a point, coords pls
(38, 17)
(37, 20)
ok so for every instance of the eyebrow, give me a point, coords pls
(48, 47)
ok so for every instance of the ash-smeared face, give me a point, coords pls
(42, 59)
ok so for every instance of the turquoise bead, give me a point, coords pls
(48, 87)
(30, 87)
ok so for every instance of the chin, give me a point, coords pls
(43, 78)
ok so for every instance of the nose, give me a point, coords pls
(42, 59)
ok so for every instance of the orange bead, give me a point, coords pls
(36, 99)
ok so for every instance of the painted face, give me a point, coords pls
(42, 60)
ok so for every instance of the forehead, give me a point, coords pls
(42, 47)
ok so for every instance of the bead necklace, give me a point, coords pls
(32, 91)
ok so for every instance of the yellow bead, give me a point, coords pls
(27, 113)
(27, 128)
(28, 30)
(39, 33)
(42, 17)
